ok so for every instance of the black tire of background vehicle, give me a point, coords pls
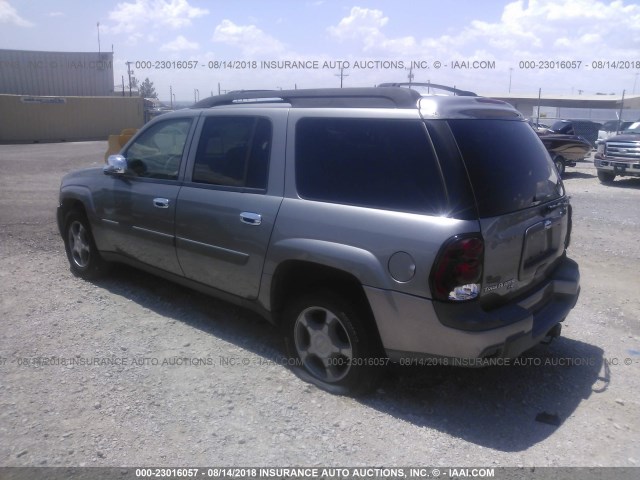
(326, 336)
(559, 163)
(606, 177)
(82, 253)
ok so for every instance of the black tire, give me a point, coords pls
(558, 161)
(605, 177)
(329, 344)
(84, 259)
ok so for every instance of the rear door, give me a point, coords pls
(524, 213)
(228, 205)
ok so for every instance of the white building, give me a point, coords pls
(77, 74)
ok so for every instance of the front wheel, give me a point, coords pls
(83, 255)
(326, 336)
(605, 177)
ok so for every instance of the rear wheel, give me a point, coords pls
(327, 337)
(83, 255)
(605, 177)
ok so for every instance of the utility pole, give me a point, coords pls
(410, 76)
(341, 75)
(510, 72)
(98, 37)
(129, 72)
(171, 96)
(621, 108)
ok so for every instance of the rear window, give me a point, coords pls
(508, 165)
(380, 163)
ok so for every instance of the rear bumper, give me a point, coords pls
(410, 327)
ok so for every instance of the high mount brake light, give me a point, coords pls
(457, 272)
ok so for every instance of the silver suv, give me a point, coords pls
(371, 224)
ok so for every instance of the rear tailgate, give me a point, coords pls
(521, 248)
(524, 213)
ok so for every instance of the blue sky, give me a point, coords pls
(377, 35)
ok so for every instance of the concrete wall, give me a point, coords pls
(52, 119)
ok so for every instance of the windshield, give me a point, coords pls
(508, 166)
(633, 128)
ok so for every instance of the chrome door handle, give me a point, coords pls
(161, 202)
(251, 218)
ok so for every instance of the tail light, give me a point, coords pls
(457, 272)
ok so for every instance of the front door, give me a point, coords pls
(140, 206)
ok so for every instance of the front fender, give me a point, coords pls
(72, 195)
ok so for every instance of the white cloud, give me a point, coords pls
(583, 30)
(8, 14)
(361, 23)
(535, 28)
(56, 14)
(130, 17)
(366, 25)
(180, 44)
(249, 38)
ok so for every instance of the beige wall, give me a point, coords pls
(26, 118)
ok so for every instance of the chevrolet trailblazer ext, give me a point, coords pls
(369, 223)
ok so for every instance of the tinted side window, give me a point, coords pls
(234, 151)
(379, 163)
(157, 152)
(508, 165)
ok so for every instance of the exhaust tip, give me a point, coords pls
(551, 334)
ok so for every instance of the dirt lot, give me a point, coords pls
(199, 382)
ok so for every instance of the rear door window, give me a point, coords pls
(507, 164)
(379, 163)
(233, 152)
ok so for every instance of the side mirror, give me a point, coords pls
(116, 165)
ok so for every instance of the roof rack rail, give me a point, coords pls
(454, 90)
(251, 91)
(366, 97)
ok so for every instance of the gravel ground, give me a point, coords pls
(195, 381)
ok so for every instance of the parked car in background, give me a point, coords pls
(611, 128)
(619, 155)
(369, 224)
(581, 128)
